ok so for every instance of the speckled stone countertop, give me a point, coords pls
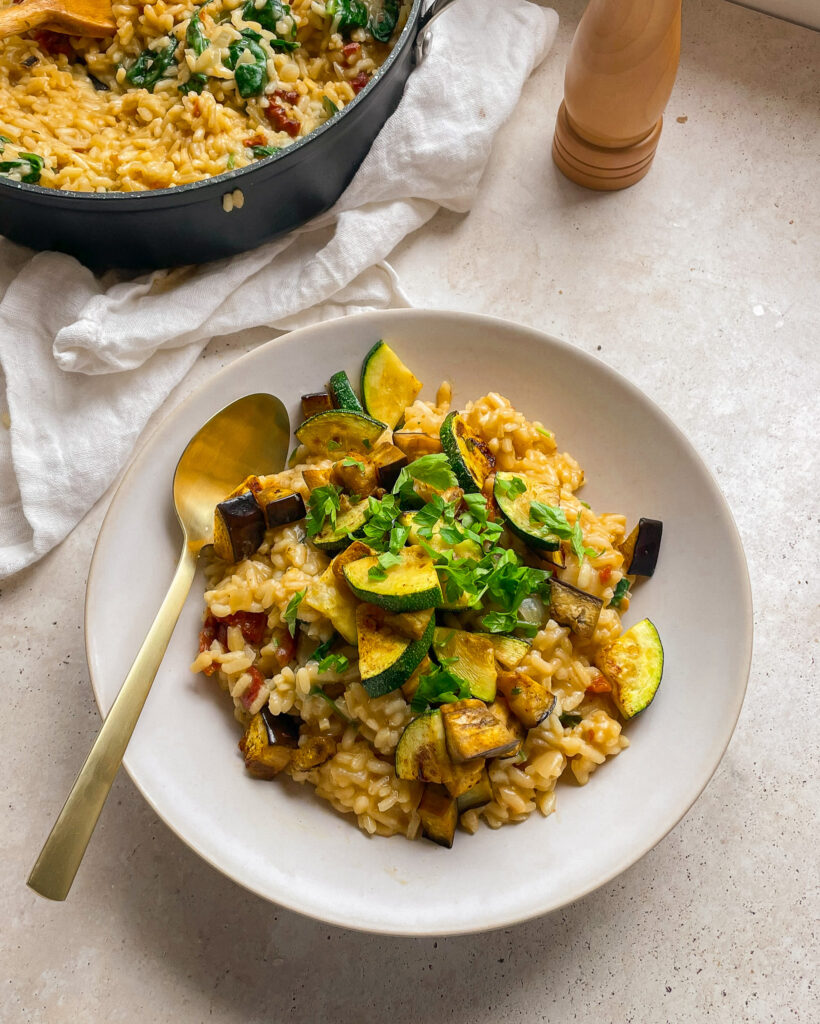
(700, 284)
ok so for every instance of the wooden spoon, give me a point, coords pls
(249, 436)
(72, 17)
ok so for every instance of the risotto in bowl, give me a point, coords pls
(451, 671)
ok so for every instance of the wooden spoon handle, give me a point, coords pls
(21, 18)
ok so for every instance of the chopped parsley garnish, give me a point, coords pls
(290, 612)
(324, 649)
(510, 488)
(515, 691)
(323, 504)
(439, 687)
(317, 691)
(260, 152)
(551, 517)
(350, 461)
(434, 470)
(577, 543)
(334, 663)
(330, 106)
(620, 592)
(385, 561)
(569, 721)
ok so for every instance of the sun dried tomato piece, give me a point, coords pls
(252, 624)
(278, 117)
(289, 96)
(605, 573)
(599, 684)
(285, 650)
(252, 692)
(360, 81)
(255, 140)
(349, 49)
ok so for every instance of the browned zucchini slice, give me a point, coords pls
(475, 659)
(316, 401)
(239, 527)
(469, 454)
(421, 752)
(350, 554)
(439, 815)
(474, 730)
(575, 608)
(633, 665)
(642, 547)
(530, 701)
(268, 743)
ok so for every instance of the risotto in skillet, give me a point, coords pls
(419, 617)
(183, 90)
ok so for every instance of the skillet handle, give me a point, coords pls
(436, 8)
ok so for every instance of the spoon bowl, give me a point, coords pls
(249, 436)
(73, 17)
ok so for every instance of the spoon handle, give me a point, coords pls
(63, 851)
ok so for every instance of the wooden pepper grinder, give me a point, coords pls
(620, 73)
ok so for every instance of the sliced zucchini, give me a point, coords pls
(478, 796)
(388, 387)
(332, 539)
(575, 608)
(530, 701)
(439, 815)
(421, 752)
(409, 586)
(316, 401)
(515, 507)
(239, 527)
(642, 547)
(342, 393)
(509, 650)
(280, 506)
(633, 665)
(475, 659)
(356, 550)
(331, 598)
(474, 730)
(387, 658)
(268, 743)
(469, 455)
(328, 433)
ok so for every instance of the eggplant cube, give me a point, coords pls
(642, 547)
(478, 796)
(281, 506)
(439, 815)
(316, 401)
(574, 608)
(474, 730)
(239, 527)
(313, 752)
(389, 461)
(267, 746)
(529, 700)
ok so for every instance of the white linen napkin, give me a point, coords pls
(85, 361)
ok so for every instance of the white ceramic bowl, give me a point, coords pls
(281, 841)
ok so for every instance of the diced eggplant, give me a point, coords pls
(280, 506)
(530, 701)
(355, 474)
(389, 461)
(313, 752)
(439, 815)
(474, 730)
(478, 796)
(316, 401)
(474, 659)
(553, 560)
(352, 553)
(414, 443)
(267, 744)
(574, 608)
(413, 625)
(239, 527)
(642, 547)
(316, 477)
(459, 778)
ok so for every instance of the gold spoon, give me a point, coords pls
(73, 17)
(249, 436)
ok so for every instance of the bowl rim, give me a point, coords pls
(235, 175)
(707, 768)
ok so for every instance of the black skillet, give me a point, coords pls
(195, 223)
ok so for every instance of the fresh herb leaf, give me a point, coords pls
(151, 66)
(577, 543)
(260, 152)
(323, 504)
(350, 461)
(515, 691)
(334, 663)
(195, 38)
(196, 83)
(378, 530)
(231, 162)
(317, 691)
(439, 687)
(551, 517)
(506, 622)
(620, 592)
(333, 446)
(434, 470)
(382, 24)
(510, 488)
(330, 106)
(385, 561)
(543, 432)
(569, 721)
(289, 616)
(324, 649)
(586, 504)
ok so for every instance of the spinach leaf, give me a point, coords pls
(351, 13)
(195, 38)
(381, 26)
(251, 79)
(29, 166)
(260, 152)
(151, 66)
(268, 16)
(196, 83)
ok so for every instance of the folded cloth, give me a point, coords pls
(85, 361)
